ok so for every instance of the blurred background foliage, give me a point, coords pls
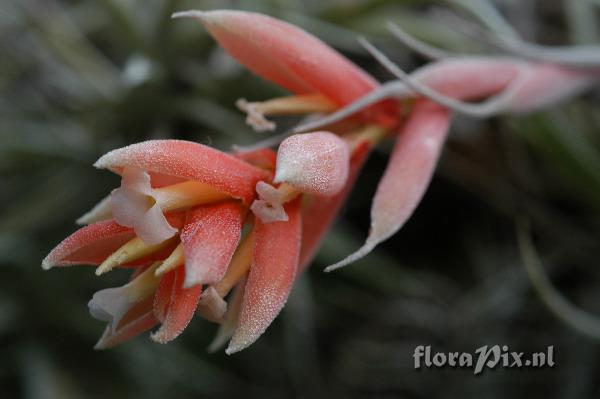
(78, 78)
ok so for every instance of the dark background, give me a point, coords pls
(78, 78)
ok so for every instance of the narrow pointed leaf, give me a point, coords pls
(407, 175)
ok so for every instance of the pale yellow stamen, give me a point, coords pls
(101, 211)
(174, 260)
(372, 133)
(212, 306)
(287, 192)
(145, 284)
(130, 251)
(187, 194)
(291, 105)
(169, 198)
(238, 267)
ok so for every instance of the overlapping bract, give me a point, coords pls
(195, 223)
(181, 219)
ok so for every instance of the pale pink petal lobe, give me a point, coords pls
(112, 304)
(154, 228)
(268, 212)
(137, 320)
(128, 206)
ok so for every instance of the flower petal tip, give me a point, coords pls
(254, 117)
(160, 337)
(189, 14)
(103, 269)
(97, 310)
(361, 253)
(104, 161)
(192, 280)
(269, 213)
(215, 345)
(47, 264)
(84, 219)
(316, 163)
(211, 306)
(102, 345)
(100, 212)
(235, 346)
(241, 340)
(205, 17)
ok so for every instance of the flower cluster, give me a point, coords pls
(224, 235)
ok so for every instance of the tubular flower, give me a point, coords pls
(225, 235)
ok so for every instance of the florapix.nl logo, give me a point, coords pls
(485, 357)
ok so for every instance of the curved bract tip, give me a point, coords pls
(407, 175)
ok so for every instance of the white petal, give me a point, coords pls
(101, 211)
(136, 179)
(211, 306)
(153, 227)
(129, 206)
(111, 304)
(269, 212)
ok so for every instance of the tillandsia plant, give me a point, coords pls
(224, 235)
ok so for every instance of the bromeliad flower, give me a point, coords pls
(302, 64)
(322, 82)
(505, 84)
(195, 224)
(225, 235)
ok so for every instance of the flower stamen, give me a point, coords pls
(371, 133)
(212, 306)
(238, 267)
(187, 194)
(290, 105)
(269, 207)
(130, 251)
(173, 261)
